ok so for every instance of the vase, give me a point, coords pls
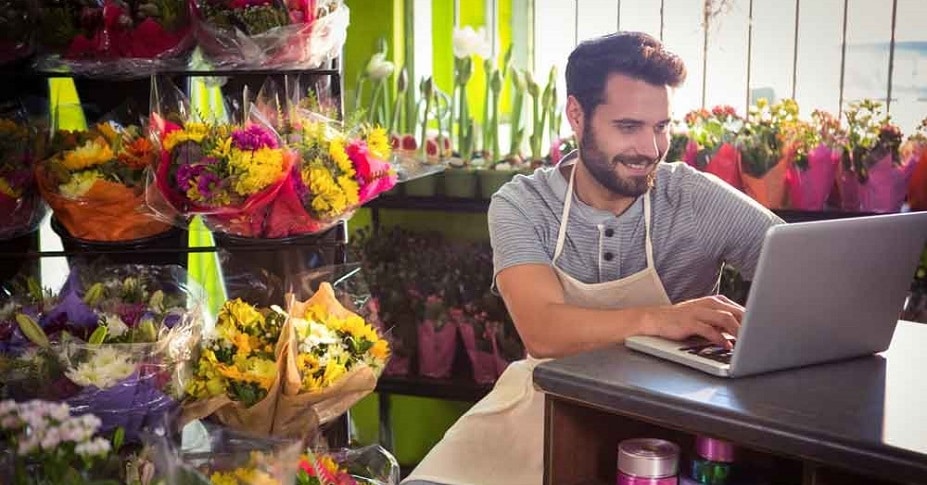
(493, 180)
(166, 248)
(262, 270)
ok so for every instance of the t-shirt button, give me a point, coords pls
(609, 232)
(608, 256)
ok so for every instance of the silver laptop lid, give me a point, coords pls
(828, 290)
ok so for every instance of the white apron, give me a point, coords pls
(500, 440)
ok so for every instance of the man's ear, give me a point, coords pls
(575, 116)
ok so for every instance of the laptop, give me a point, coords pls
(823, 291)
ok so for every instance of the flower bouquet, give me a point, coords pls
(873, 178)
(95, 183)
(114, 37)
(817, 150)
(914, 153)
(44, 443)
(282, 34)
(118, 347)
(19, 197)
(334, 360)
(335, 175)
(228, 174)
(237, 376)
(764, 158)
(17, 29)
(711, 136)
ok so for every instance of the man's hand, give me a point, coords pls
(705, 317)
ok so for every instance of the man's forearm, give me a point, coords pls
(560, 329)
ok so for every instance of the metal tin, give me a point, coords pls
(648, 458)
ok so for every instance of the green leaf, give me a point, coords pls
(98, 335)
(32, 330)
(119, 437)
(93, 294)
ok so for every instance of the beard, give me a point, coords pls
(603, 170)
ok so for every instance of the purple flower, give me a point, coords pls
(207, 183)
(172, 318)
(131, 313)
(187, 173)
(70, 313)
(253, 138)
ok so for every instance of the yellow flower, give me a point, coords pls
(222, 149)
(109, 133)
(333, 371)
(238, 313)
(194, 132)
(256, 170)
(340, 156)
(351, 189)
(380, 350)
(378, 143)
(94, 152)
(8, 190)
(226, 478)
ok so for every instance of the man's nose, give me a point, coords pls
(648, 145)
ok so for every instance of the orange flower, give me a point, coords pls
(138, 154)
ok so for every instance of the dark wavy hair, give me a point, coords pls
(634, 54)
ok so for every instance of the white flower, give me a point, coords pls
(27, 445)
(313, 334)
(51, 439)
(115, 327)
(379, 68)
(97, 447)
(468, 42)
(106, 367)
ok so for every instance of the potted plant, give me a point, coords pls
(711, 143)
(764, 158)
(873, 178)
(816, 148)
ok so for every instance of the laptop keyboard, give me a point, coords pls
(711, 350)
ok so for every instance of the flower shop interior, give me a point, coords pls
(246, 241)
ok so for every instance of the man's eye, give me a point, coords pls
(627, 128)
(662, 128)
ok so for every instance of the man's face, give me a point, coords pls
(626, 136)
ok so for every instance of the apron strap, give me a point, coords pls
(564, 215)
(648, 243)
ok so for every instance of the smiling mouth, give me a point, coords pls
(637, 165)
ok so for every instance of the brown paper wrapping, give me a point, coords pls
(287, 412)
(770, 190)
(257, 419)
(296, 409)
(107, 212)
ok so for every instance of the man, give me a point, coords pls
(612, 242)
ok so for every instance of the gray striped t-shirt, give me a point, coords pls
(698, 222)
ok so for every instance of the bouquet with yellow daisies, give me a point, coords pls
(229, 174)
(95, 183)
(336, 173)
(237, 375)
(334, 360)
(281, 373)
